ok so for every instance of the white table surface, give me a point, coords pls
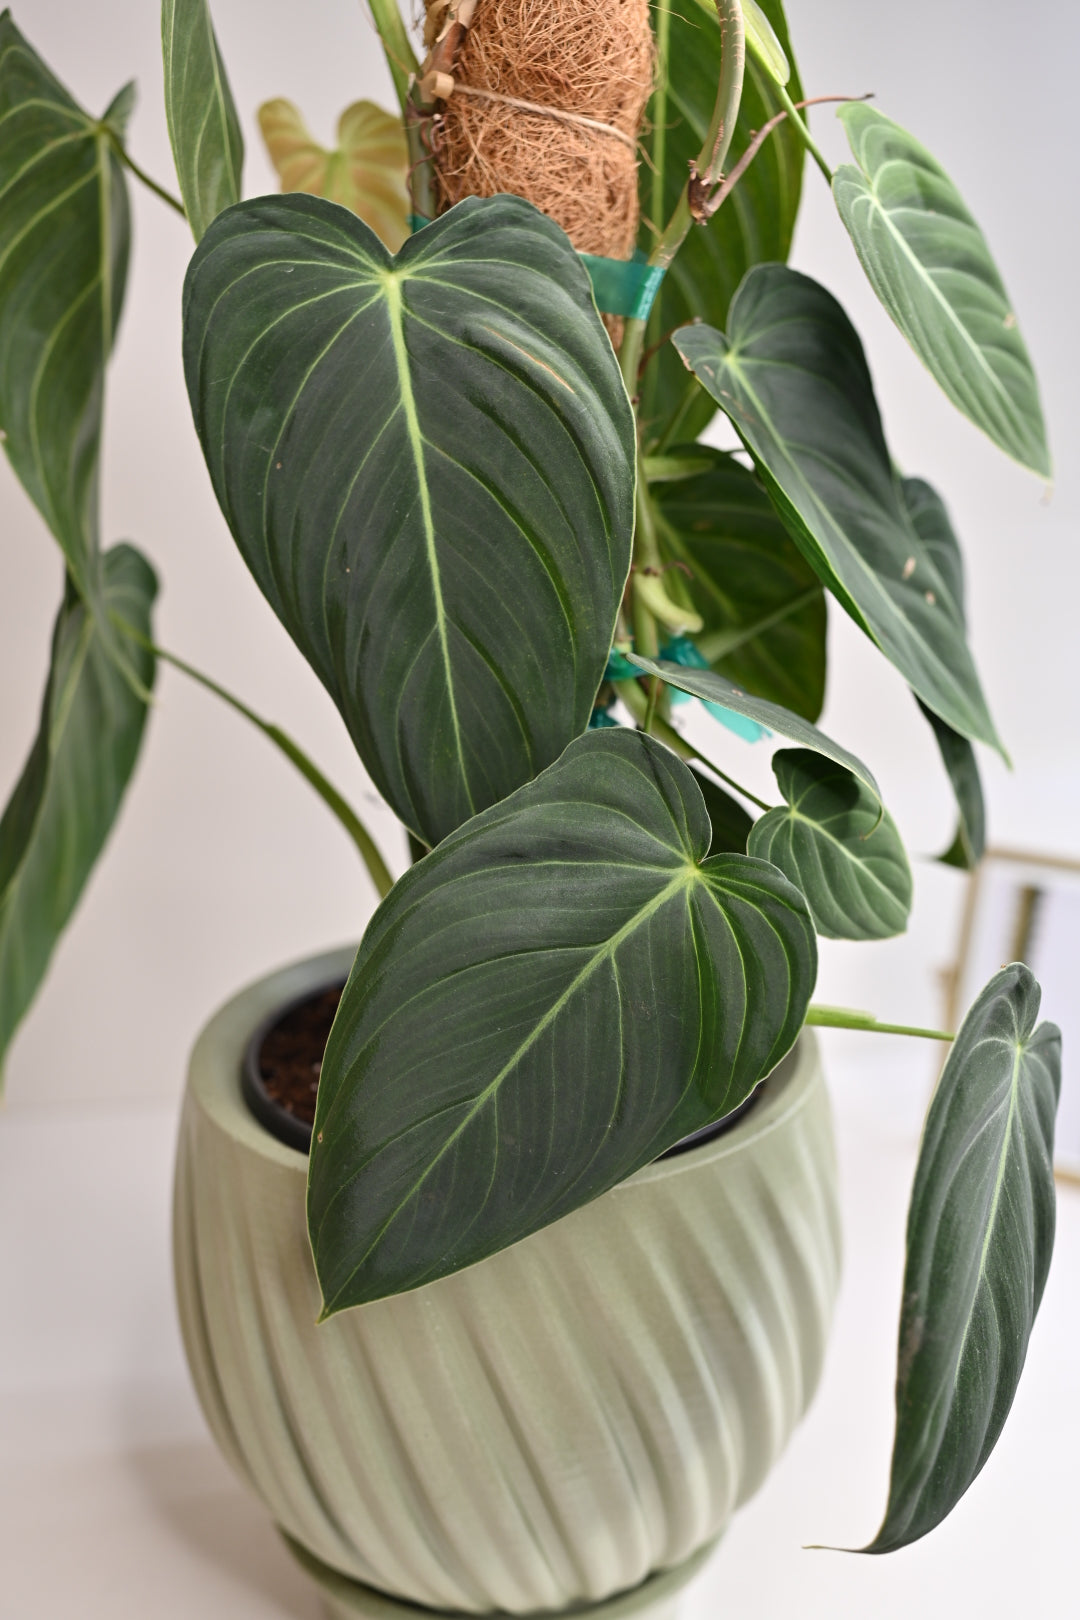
(114, 1503)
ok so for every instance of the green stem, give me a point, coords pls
(636, 701)
(848, 1018)
(798, 123)
(141, 174)
(709, 167)
(311, 773)
(397, 48)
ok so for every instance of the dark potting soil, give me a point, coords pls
(291, 1053)
(284, 1059)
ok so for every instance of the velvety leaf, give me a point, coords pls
(791, 376)
(559, 992)
(713, 688)
(207, 145)
(64, 237)
(927, 512)
(979, 1237)
(730, 822)
(428, 464)
(929, 264)
(66, 800)
(838, 847)
(762, 603)
(366, 172)
(756, 223)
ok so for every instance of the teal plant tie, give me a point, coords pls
(620, 668)
(681, 650)
(623, 286)
(620, 286)
(601, 718)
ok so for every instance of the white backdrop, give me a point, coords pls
(224, 864)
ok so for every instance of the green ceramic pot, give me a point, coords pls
(545, 1430)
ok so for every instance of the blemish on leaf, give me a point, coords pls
(533, 357)
(930, 598)
(909, 568)
(1009, 321)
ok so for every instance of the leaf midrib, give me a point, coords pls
(682, 881)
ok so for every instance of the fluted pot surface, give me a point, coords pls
(548, 1427)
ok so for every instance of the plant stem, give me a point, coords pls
(397, 48)
(848, 1018)
(798, 123)
(140, 174)
(369, 852)
(705, 173)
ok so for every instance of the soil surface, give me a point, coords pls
(291, 1055)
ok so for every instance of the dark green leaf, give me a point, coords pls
(836, 845)
(792, 378)
(428, 464)
(756, 223)
(730, 822)
(927, 512)
(929, 264)
(208, 147)
(980, 1232)
(64, 237)
(559, 992)
(60, 814)
(762, 603)
(713, 688)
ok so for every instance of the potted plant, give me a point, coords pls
(570, 1221)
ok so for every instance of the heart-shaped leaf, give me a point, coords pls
(428, 464)
(929, 264)
(792, 378)
(204, 131)
(66, 800)
(712, 688)
(927, 512)
(562, 990)
(979, 1237)
(836, 845)
(755, 224)
(366, 173)
(64, 238)
(762, 603)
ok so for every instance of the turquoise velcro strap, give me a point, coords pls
(623, 286)
(620, 286)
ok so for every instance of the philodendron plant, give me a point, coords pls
(500, 546)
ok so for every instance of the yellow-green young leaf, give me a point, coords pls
(365, 173)
(204, 130)
(65, 802)
(930, 265)
(762, 42)
(562, 990)
(64, 237)
(979, 1237)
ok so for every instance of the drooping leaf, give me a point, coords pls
(208, 148)
(66, 800)
(755, 224)
(713, 688)
(929, 264)
(64, 238)
(762, 603)
(366, 172)
(731, 824)
(791, 376)
(979, 1237)
(428, 464)
(837, 846)
(927, 512)
(556, 994)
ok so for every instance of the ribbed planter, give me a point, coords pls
(547, 1429)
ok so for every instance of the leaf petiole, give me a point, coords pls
(140, 174)
(848, 1018)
